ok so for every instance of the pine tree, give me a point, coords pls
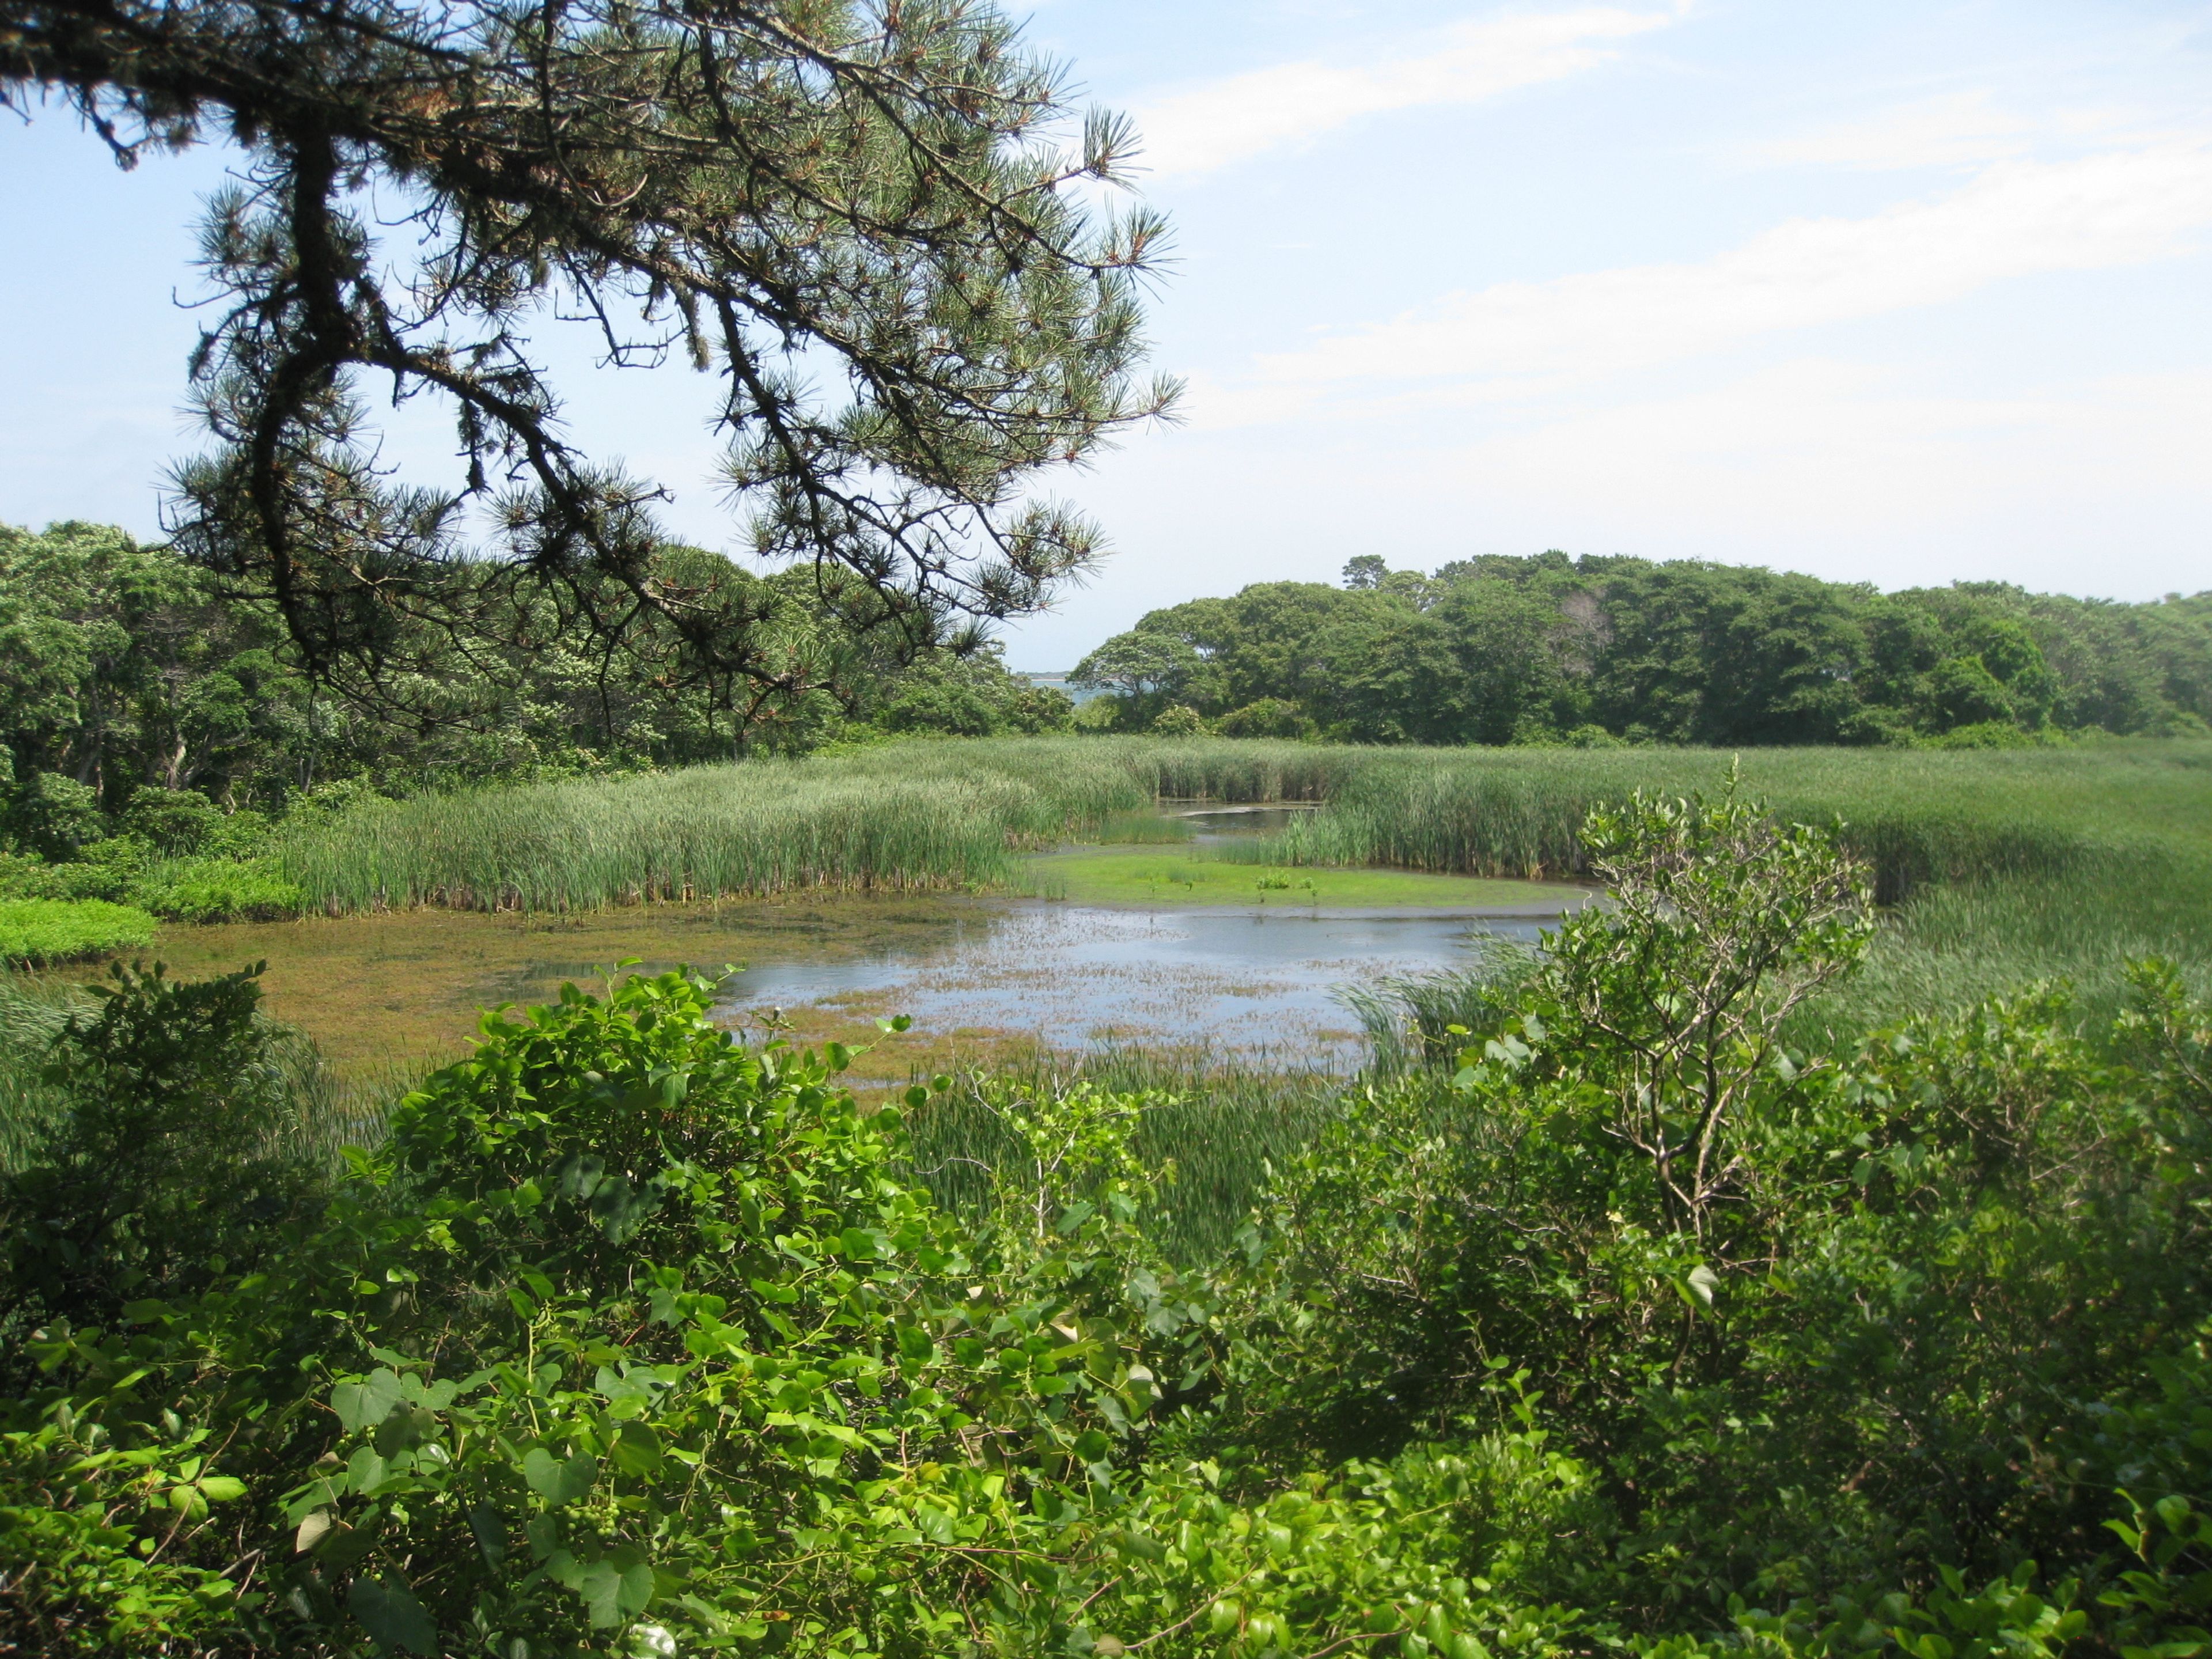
(872, 224)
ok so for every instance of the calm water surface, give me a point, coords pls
(1069, 977)
(1262, 980)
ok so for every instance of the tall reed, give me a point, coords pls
(1213, 1130)
(953, 814)
(916, 814)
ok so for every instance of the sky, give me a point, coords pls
(1903, 294)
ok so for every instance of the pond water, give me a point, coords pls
(1213, 823)
(1066, 976)
(981, 977)
(1246, 979)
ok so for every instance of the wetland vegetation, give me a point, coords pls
(1802, 1249)
(1801, 1254)
(1612, 1307)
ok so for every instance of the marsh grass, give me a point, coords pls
(1426, 1020)
(2000, 867)
(914, 816)
(1211, 1133)
(1917, 817)
(956, 814)
(1952, 946)
(1136, 876)
(1145, 828)
(30, 1012)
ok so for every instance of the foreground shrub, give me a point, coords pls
(33, 932)
(164, 1165)
(1829, 1327)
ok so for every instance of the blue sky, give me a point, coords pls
(1894, 293)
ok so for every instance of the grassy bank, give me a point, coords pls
(953, 814)
(38, 931)
(1140, 875)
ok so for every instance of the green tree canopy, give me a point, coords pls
(1502, 650)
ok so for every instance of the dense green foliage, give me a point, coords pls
(1548, 649)
(1625, 1324)
(126, 669)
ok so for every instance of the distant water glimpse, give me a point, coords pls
(1056, 679)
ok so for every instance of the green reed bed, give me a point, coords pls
(1917, 817)
(2000, 867)
(1211, 1131)
(2000, 870)
(918, 815)
(949, 814)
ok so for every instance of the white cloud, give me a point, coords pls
(1870, 475)
(1961, 128)
(1218, 123)
(2015, 219)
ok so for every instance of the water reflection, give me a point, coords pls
(1070, 976)
(1216, 823)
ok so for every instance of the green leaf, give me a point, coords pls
(559, 1482)
(613, 1593)
(579, 1175)
(619, 1209)
(365, 1471)
(637, 1449)
(490, 1533)
(313, 1530)
(865, 1243)
(933, 1524)
(366, 1401)
(392, 1616)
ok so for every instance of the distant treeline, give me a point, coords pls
(1549, 649)
(130, 683)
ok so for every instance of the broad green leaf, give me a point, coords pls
(613, 1593)
(392, 1616)
(934, 1524)
(366, 1401)
(619, 1209)
(490, 1533)
(556, 1481)
(637, 1449)
(313, 1530)
(365, 1471)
